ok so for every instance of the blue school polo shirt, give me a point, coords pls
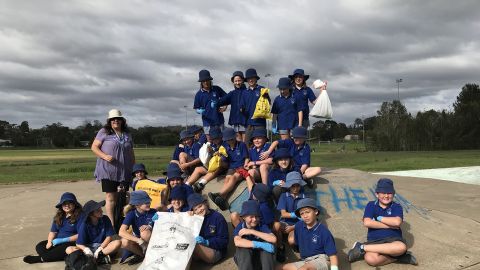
(373, 210)
(314, 241)
(288, 203)
(237, 155)
(215, 230)
(260, 227)
(249, 102)
(254, 153)
(276, 174)
(304, 94)
(136, 220)
(66, 229)
(203, 100)
(266, 212)
(89, 234)
(234, 99)
(287, 109)
(301, 155)
(177, 151)
(193, 151)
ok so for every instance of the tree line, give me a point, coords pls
(393, 128)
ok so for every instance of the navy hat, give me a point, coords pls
(261, 192)
(138, 167)
(195, 199)
(284, 83)
(251, 73)
(139, 197)
(194, 129)
(173, 171)
(281, 153)
(258, 133)
(178, 193)
(215, 133)
(204, 75)
(385, 185)
(293, 178)
(250, 207)
(185, 134)
(299, 132)
(91, 206)
(306, 202)
(67, 197)
(299, 71)
(237, 73)
(228, 134)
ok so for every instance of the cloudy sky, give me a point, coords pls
(71, 61)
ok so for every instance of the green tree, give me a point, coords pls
(467, 117)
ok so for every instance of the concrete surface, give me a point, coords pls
(467, 175)
(442, 220)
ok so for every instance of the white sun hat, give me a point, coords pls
(113, 113)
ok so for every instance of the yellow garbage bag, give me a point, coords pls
(214, 163)
(153, 189)
(262, 108)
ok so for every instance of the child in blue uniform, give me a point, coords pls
(63, 232)
(283, 164)
(314, 240)
(300, 151)
(237, 159)
(174, 178)
(188, 159)
(212, 242)
(249, 102)
(198, 135)
(178, 200)
(95, 234)
(237, 119)
(206, 100)
(383, 219)
(287, 110)
(139, 172)
(254, 241)
(258, 167)
(138, 214)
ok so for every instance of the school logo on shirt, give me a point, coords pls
(214, 94)
(238, 152)
(304, 92)
(389, 211)
(301, 153)
(314, 239)
(292, 101)
(257, 94)
(212, 229)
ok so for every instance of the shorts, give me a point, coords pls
(320, 261)
(239, 128)
(206, 129)
(112, 186)
(284, 132)
(231, 171)
(217, 256)
(385, 240)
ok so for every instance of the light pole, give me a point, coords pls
(363, 128)
(398, 88)
(186, 117)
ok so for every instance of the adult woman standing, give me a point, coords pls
(114, 148)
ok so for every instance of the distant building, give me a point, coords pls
(4, 143)
(84, 143)
(352, 137)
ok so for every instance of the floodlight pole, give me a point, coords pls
(269, 130)
(186, 117)
(398, 88)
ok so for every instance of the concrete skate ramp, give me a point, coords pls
(441, 226)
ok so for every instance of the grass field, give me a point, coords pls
(24, 166)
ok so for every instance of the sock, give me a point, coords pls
(187, 183)
(32, 259)
(202, 181)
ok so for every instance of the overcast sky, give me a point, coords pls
(71, 61)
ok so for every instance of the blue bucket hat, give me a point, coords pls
(250, 207)
(281, 153)
(185, 134)
(299, 132)
(228, 134)
(258, 133)
(215, 133)
(91, 206)
(306, 202)
(195, 199)
(293, 178)
(251, 73)
(194, 129)
(204, 75)
(139, 197)
(173, 172)
(385, 185)
(138, 167)
(299, 71)
(261, 192)
(178, 193)
(237, 73)
(67, 197)
(284, 83)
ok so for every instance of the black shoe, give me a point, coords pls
(213, 196)
(356, 253)
(222, 203)
(32, 259)
(407, 258)
(309, 182)
(198, 187)
(136, 259)
(281, 254)
(103, 259)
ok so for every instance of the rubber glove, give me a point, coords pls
(155, 217)
(276, 182)
(88, 251)
(213, 104)
(379, 218)
(293, 215)
(95, 255)
(264, 245)
(58, 241)
(274, 130)
(200, 111)
(202, 241)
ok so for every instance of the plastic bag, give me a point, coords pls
(322, 107)
(204, 155)
(214, 163)
(262, 108)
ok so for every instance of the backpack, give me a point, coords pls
(77, 260)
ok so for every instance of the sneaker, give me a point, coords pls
(136, 259)
(309, 182)
(198, 187)
(281, 254)
(213, 196)
(103, 259)
(222, 203)
(356, 253)
(32, 259)
(407, 258)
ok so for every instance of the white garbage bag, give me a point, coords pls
(204, 155)
(172, 242)
(322, 107)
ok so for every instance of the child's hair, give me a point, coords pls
(128, 208)
(60, 214)
(290, 164)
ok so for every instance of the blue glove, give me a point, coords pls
(155, 217)
(293, 215)
(379, 218)
(213, 104)
(264, 245)
(276, 182)
(58, 241)
(202, 241)
(274, 130)
(200, 111)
